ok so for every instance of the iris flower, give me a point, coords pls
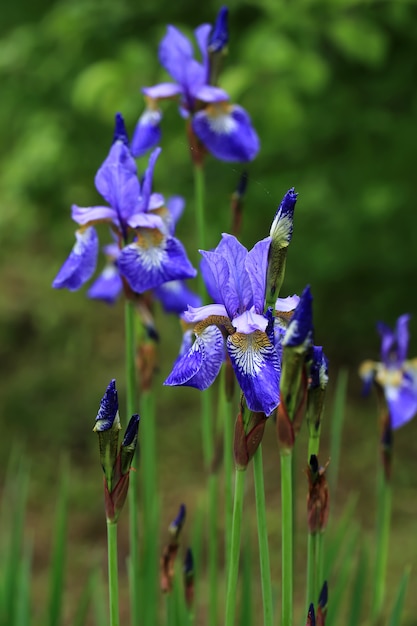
(223, 128)
(148, 253)
(394, 373)
(235, 279)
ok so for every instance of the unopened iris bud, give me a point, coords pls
(129, 444)
(317, 384)
(189, 577)
(249, 431)
(299, 333)
(317, 497)
(177, 524)
(120, 133)
(311, 618)
(217, 44)
(280, 233)
(107, 427)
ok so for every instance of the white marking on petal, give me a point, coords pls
(109, 272)
(248, 352)
(221, 123)
(150, 118)
(82, 239)
(281, 230)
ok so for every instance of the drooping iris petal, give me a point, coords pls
(175, 296)
(257, 368)
(154, 259)
(147, 133)
(402, 402)
(117, 182)
(227, 132)
(81, 263)
(200, 366)
(107, 286)
(256, 264)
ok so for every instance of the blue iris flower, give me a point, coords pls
(235, 279)
(394, 373)
(223, 128)
(143, 224)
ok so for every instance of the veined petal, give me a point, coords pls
(202, 34)
(154, 259)
(81, 263)
(237, 291)
(257, 369)
(200, 366)
(216, 273)
(256, 264)
(107, 286)
(94, 214)
(175, 52)
(161, 91)
(285, 305)
(175, 296)
(147, 133)
(198, 314)
(227, 132)
(117, 181)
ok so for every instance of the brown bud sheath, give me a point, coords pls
(167, 565)
(254, 436)
(317, 498)
(285, 431)
(240, 450)
(146, 364)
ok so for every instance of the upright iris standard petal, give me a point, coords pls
(219, 36)
(257, 368)
(147, 133)
(199, 366)
(108, 286)
(237, 290)
(152, 260)
(81, 263)
(175, 206)
(175, 52)
(256, 264)
(146, 187)
(227, 132)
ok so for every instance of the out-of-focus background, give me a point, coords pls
(330, 86)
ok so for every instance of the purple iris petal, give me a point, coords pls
(147, 133)
(120, 133)
(287, 304)
(402, 402)
(257, 368)
(219, 36)
(117, 182)
(198, 314)
(108, 411)
(175, 52)
(146, 187)
(175, 206)
(81, 263)
(87, 215)
(175, 296)
(154, 260)
(211, 280)
(107, 286)
(249, 321)
(208, 93)
(200, 366)
(403, 337)
(300, 328)
(237, 290)
(227, 133)
(216, 271)
(146, 220)
(202, 34)
(163, 90)
(256, 264)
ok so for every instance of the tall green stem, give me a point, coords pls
(263, 537)
(133, 479)
(312, 567)
(225, 408)
(235, 548)
(287, 538)
(382, 543)
(213, 550)
(113, 573)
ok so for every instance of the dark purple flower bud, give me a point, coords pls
(319, 369)
(323, 597)
(219, 36)
(322, 608)
(189, 563)
(108, 411)
(120, 133)
(176, 526)
(300, 330)
(129, 444)
(107, 427)
(282, 225)
(311, 618)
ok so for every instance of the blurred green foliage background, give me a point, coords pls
(330, 86)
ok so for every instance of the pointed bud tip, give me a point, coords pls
(120, 133)
(108, 411)
(188, 562)
(314, 464)
(131, 431)
(178, 522)
(323, 597)
(219, 36)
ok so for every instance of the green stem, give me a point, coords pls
(287, 539)
(133, 479)
(313, 446)
(113, 573)
(312, 573)
(235, 548)
(383, 531)
(213, 550)
(199, 193)
(263, 537)
(228, 464)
